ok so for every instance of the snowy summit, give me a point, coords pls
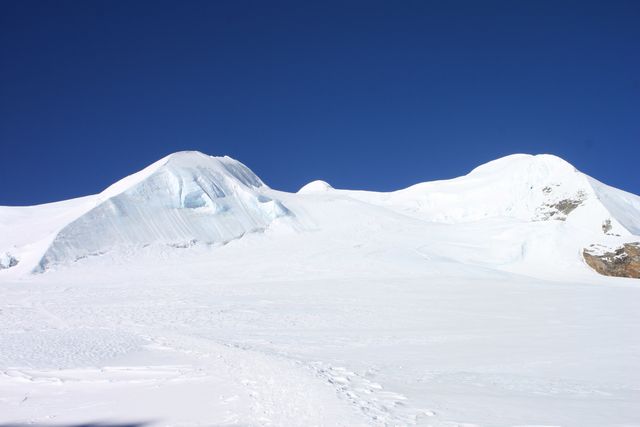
(317, 186)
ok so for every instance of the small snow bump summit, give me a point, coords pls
(317, 186)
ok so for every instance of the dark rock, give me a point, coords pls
(561, 209)
(622, 262)
(566, 206)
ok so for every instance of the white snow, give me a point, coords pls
(191, 293)
(7, 260)
(622, 205)
(317, 186)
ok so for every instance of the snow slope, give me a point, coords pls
(212, 299)
(27, 232)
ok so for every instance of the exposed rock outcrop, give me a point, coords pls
(622, 262)
(559, 209)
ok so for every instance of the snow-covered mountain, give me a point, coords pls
(189, 198)
(523, 187)
(182, 199)
(191, 293)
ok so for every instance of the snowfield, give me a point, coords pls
(192, 294)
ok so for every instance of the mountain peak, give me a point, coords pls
(183, 198)
(186, 154)
(184, 167)
(519, 163)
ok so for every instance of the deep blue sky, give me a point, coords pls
(369, 95)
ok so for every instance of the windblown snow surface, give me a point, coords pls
(191, 293)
